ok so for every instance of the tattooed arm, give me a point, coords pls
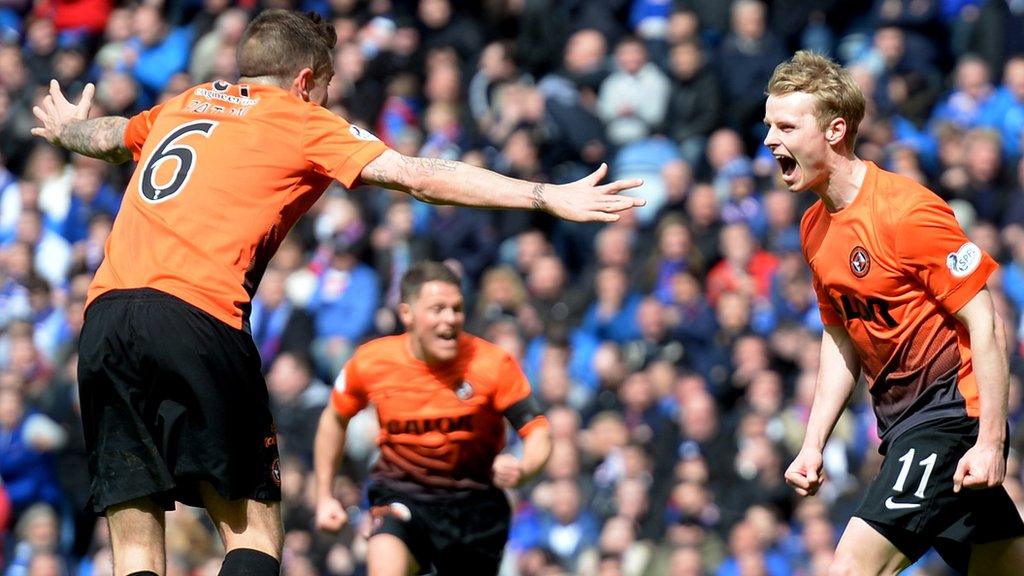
(101, 138)
(441, 181)
(67, 125)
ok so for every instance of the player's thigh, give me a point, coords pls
(862, 550)
(471, 535)
(215, 412)
(1000, 558)
(387, 555)
(137, 536)
(244, 522)
(117, 400)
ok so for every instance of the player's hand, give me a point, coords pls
(507, 471)
(56, 112)
(806, 474)
(330, 515)
(982, 466)
(586, 201)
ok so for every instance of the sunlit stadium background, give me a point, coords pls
(675, 350)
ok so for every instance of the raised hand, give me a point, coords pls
(586, 200)
(56, 112)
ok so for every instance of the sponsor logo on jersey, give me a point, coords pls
(860, 262)
(444, 424)
(871, 309)
(965, 260)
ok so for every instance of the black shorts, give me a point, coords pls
(911, 502)
(172, 396)
(456, 536)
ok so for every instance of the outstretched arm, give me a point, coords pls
(441, 181)
(68, 125)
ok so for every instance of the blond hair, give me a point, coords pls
(831, 85)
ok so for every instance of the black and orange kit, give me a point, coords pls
(171, 386)
(893, 268)
(441, 426)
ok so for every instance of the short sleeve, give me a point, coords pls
(512, 385)
(513, 398)
(934, 251)
(138, 129)
(829, 316)
(337, 149)
(348, 396)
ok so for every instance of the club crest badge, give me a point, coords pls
(464, 390)
(860, 262)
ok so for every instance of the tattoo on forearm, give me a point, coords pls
(101, 138)
(428, 166)
(538, 197)
(408, 167)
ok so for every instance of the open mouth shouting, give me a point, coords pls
(787, 165)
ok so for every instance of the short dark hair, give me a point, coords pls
(281, 43)
(427, 271)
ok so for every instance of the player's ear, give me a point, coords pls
(303, 83)
(405, 314)
(836, 131)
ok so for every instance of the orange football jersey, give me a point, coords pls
(224, 172)
(440, 426)
(893, 268)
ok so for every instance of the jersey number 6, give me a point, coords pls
(167, 150)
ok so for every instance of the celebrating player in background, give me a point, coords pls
(173, 401)
(442, 398)
(902, 295)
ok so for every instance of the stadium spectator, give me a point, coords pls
(612, 317)
(343, 304)
(633, 99)
(278, 325)
(744, 267)
(583, 69)
(296, 399)
(156, 51)
(1005, 110)
(902, 53)
(971, 95)
(745, 60)
(695, 101)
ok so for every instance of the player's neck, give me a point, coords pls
(418, 352)
(846, 176)
(263, 81)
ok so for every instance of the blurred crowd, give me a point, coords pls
(675, 351)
